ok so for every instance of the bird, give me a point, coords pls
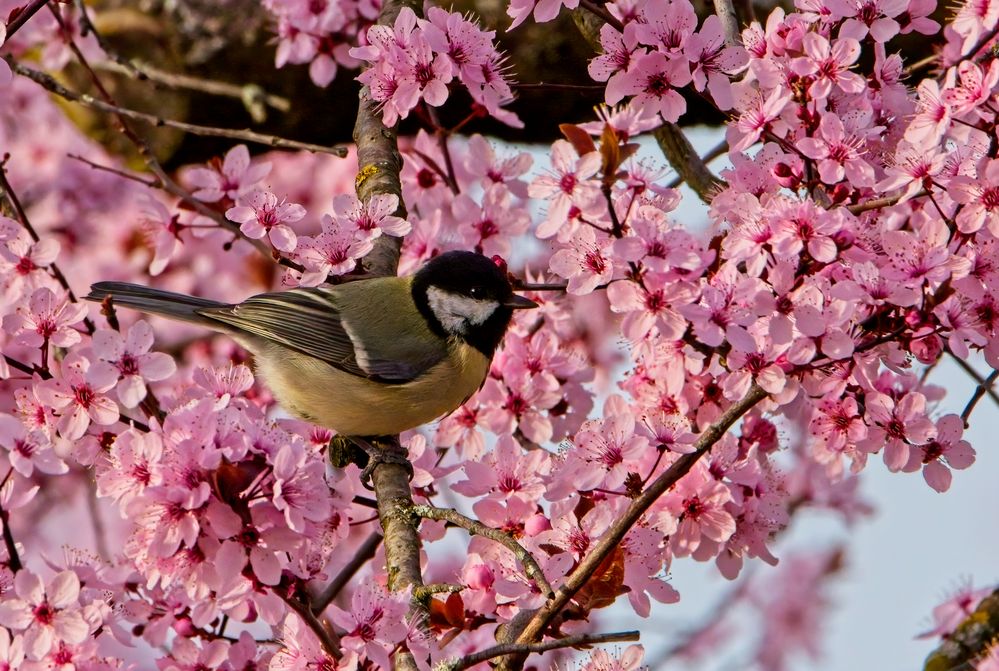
(368, 358)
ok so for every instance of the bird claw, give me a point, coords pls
(390, 452)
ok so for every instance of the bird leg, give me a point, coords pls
(376, 450)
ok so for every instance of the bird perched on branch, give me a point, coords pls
(372, 357)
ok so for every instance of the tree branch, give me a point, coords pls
(246, 135)
(985, 386)
(476, 528)
(329, 639)
(729, 20)
(24, 15)
(578, 640)
(533, 628)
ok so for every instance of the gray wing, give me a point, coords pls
(309, 321)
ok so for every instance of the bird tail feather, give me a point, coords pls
(154, 301)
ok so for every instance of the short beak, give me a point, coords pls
(516, 302)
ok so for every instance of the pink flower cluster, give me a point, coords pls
(416, 59)
(854, 243)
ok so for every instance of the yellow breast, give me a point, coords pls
(317, 392)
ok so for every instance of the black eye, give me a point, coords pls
(477, 292)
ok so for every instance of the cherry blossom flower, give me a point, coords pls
(714, 62)
(80, 395)
(334, 251)
(569, 185)
(45, 613)
(542, 10)
(296, 481)
(601, 660)
(829, 63)
(133, 463)
(29, 449)
(27, 261)
(946, 450)
(264, 216)
(46, 319)
(896, 425)
(302, 650)
(375, 623)
(131, 356)
(653, 80)
(233, 177)
(838, 153)
(372, 218)
(586, 264)
(695, 512)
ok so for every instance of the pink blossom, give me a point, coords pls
(372, 218)
(45, 613)
(299, 487)
(375, 623)
(132, 464)
(980, 198)
(543, 10)
(162, 227)
(956, 609)
(876, 17)
(933, 115)
(302, 650)
(80, 395)
(667, 25)
(132, 358)
(619, 50)
(714, 62)
(830, 64)
(334, 251)
(695, 512)
(29, 449)
(587, 263)
(653, 80)
(975, 87)
(506, 472)
(265, 216)
(895, 426)
(601, 660)
(946, 450)
(46, 319)
(838, 152)
(232, 178)
(26, 262)
(569, 185)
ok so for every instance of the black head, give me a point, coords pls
(468, 296)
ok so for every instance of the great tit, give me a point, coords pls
(372, 357)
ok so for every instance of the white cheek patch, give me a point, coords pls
(456, 312)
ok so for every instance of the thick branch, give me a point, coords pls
(534, 628)
(578, 640)
(729, 20)
(245, 135)
(684, 159)
(378, 160)
(476, 528)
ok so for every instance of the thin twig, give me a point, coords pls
(248, 93)
(245, 135)
(361, 556)
(13, 558)
(601, 12)
(24, 15)
(878, 203)
(539, 620)
(151, 183)
(576, 641)
(476, 528)
(985, 386)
